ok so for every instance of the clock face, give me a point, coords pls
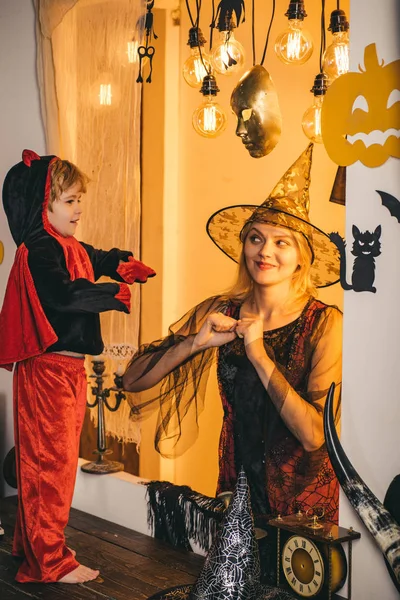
(303, 566)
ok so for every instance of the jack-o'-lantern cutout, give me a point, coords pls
(1, 252)
(361, 114)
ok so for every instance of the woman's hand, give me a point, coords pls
(251, 330)
(217, 330)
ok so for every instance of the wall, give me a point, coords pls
(20, 127)
(371, 408)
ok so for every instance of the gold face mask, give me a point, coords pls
(255, 104)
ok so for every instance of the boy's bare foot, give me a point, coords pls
(72, 551)
(79, 575)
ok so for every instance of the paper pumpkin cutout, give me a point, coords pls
(1, 252)
(362, 107)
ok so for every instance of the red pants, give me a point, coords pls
(49, 408)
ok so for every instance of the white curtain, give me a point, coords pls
(90, 102)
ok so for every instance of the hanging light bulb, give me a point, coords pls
(336, 57)
(209, 119)
(228, 54)
(294, 45)
(311, 122)
(197, 66)
(105, 94)
(132, 51)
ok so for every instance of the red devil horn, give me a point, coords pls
(28, 156)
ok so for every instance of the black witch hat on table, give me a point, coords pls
(232, 567)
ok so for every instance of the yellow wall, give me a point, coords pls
(212, 174)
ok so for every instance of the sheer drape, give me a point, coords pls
(91, 111)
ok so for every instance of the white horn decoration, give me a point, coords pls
(379, 522)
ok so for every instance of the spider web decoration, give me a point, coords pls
(232, 567)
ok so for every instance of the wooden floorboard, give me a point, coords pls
(138, 543)
(132, 566)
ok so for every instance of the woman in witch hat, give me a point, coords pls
(277, 348)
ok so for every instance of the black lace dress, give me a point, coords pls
(283, 477)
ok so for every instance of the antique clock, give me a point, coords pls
(311, 560)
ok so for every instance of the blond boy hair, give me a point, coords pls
(64, 175)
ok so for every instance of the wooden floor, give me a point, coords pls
(132, 566)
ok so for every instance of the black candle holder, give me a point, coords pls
(102, 465)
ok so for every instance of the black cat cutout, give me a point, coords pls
(366, 247)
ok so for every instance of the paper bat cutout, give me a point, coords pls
(391, 203)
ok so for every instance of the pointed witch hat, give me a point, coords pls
(286, 206)
(232, 567)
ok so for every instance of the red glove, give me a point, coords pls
(134, 271)
(124, 295)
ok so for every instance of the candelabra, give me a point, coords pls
(102, 465)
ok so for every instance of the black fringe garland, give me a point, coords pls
(177, 514)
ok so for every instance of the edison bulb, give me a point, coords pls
(132, 51)
(311, 122)
(105, 94)
(228, 54)
(194, 70)
(209, 119)
(336, 57)
(294, 45)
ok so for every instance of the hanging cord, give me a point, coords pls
(253, 33)
(208, 70)
(212, 23)
(190, 13)
(198, 9)
(269, 31)
(323, 36)
(338, 5)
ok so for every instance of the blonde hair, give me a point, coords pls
(302, 285)
(64, 175)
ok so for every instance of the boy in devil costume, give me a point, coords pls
(49, 321)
